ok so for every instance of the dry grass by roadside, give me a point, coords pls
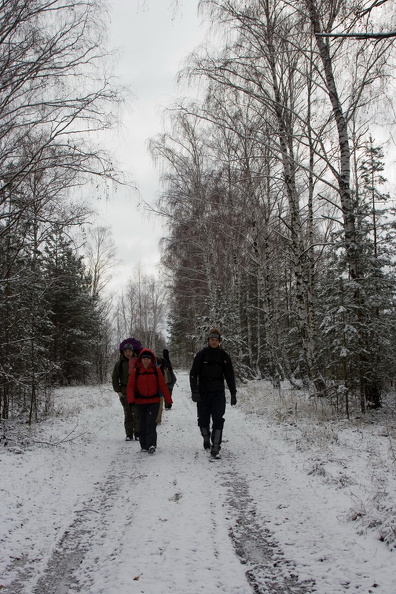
(357, 454)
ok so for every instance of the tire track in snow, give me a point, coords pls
(269, 571)
(222, 512)
(180, 523)
(90, 523)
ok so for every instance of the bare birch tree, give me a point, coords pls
(54, 88)
(344, 105)
(55, 97)
(141, 310)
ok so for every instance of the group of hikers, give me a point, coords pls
(144, 381)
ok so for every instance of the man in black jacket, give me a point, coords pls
(209, 369)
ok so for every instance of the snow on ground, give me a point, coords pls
(297, 504)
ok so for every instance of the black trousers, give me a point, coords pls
(147, 424)
(212, 406)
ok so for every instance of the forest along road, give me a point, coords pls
(178, 521)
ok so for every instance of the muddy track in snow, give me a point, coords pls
(75, 541)
(267, 569)
(269, 572)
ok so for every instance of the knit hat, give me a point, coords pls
(146, 354)
(214, 333)
(127, 347)
(136, 346)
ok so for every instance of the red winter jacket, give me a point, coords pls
(144, 384)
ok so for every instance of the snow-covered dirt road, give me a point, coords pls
(84, 511)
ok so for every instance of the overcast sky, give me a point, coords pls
(153, 40)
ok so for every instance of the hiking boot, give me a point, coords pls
(206, 437)
(136, 436)
(151, 450)
(216, 436)
(129, 438)
(215, 453)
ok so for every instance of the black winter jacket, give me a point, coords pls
(209, 369)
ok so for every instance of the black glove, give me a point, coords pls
(168, 406)
(233, 399)
(195, 395)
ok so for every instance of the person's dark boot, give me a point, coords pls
(216, 437)
(206, 437)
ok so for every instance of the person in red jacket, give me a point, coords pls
(145, 386)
